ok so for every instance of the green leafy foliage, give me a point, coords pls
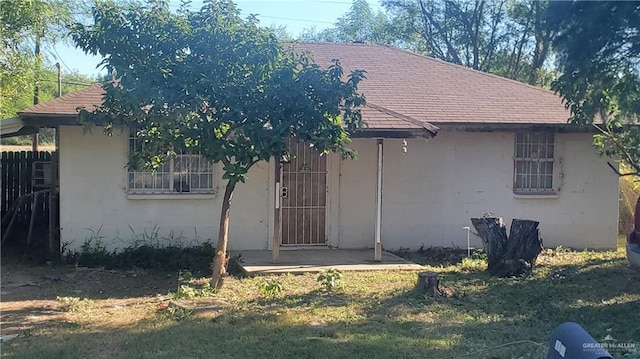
(473, 264)
(188, 289)
(93, 253)
(271, 288)
(598, 50)
(168, 311)
(29, 32)
(507, 38)
(212, 82)
(359, 24)
(330, 279)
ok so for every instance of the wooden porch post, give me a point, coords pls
(378, 244)
(275, 248)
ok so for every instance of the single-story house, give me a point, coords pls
(501, 146)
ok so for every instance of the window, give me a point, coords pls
(533, 170)
(186, 173)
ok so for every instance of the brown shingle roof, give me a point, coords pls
(440, 92)
(67, 105)
(404, 90)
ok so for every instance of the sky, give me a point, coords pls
(296, 15)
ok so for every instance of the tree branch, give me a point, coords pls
(622, 174)
(492, 38)
(234, 127)
(477, 22)
(450, 49)
(625, 154)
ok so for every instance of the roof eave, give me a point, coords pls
(14, 126)
(510, 127)
(393, 133)
(48, 119)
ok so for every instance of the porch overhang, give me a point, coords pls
(14, 126)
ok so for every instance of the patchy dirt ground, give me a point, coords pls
(28, 294)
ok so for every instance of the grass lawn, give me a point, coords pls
(375, 315)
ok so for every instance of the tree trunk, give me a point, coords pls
(494, 237)
(428, 284)
(218, 267)
(509, 256)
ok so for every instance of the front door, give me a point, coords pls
(304, 196)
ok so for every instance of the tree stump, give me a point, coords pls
(428, 284)
(509, 256)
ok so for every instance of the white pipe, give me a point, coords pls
(278, 195)
(468, 229)
(379, 196)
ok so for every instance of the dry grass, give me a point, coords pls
(375, 315)
(629, 193)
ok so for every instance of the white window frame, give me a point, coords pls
(168, 173)
(534, 152)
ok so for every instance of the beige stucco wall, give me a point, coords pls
(94, 202)
(431, 191)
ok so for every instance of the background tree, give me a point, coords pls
(598, 49)
(359, 24)
(212, 82)
(29, 30)
(505, 37)
(48, 82)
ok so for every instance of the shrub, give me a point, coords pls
(172, 258)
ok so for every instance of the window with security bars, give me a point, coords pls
(186, 173)
(533, 162)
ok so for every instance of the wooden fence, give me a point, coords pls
(28, 191)
(18, 176)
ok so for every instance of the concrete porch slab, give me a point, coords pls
(316, 260)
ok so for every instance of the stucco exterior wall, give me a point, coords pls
(94, 202)
(357, 197)
(431, 191)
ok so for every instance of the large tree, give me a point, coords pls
(29, 31)
(359, 24)
(212, 82)
(47, 90)
(507, 37)
(599, 56)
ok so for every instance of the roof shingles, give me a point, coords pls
(89, 98)
(440, 92)
(404, 90)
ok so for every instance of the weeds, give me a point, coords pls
(477, 261)
(330, 279)
(471, 264)
(189, 289)
(74, 304)
(172, 312)
(271, 288)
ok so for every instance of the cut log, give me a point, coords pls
(428, 284)
(494, 237)
(509, 256)
(524, 241)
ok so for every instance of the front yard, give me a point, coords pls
(89, 313)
